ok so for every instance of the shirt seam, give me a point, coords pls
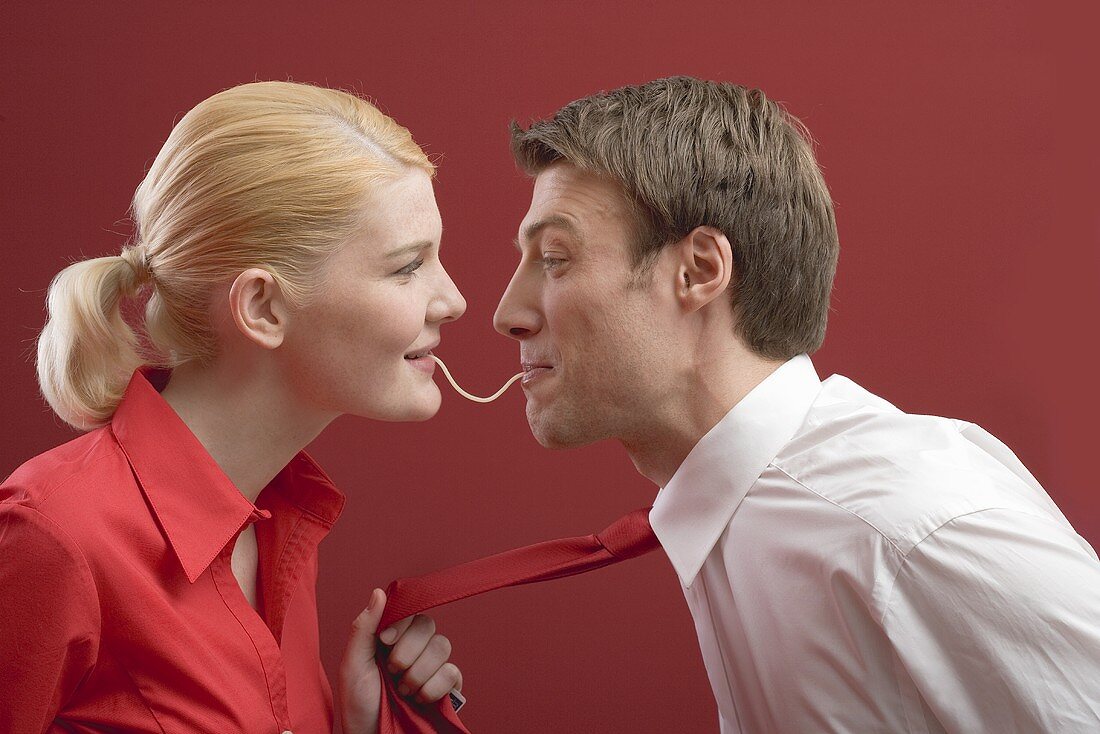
(289, 584)
(328, 484)
(722, 655)
(905, 556)
(141, 695)
(839, 506)
(218, 584)
(86, 567)
(86, 573)
(313, 516)
(49, 492)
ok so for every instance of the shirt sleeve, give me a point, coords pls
(996, 618)
(49, 619)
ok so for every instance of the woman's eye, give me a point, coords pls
(410, 268)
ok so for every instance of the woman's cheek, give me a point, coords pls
(407, 319)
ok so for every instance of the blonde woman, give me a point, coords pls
(159, 571)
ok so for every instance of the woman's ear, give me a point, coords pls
(259, 308)
(705, 267)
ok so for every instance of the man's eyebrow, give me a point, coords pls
(532, 230)
(410, 248)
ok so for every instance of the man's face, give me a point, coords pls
(594, 343)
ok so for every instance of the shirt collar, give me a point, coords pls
(694, 508)
(197, 506)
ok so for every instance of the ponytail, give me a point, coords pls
(86, 351)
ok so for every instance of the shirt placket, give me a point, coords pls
(267, 648)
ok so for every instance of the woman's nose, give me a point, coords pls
(451, 302)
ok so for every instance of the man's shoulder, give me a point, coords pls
(903, 474)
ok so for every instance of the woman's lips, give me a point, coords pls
(425, 364)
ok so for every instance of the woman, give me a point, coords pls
(159, 571)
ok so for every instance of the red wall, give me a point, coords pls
(959, 145)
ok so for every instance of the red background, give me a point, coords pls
(958, 141)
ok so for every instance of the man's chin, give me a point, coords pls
(553, 442)
(558, 434)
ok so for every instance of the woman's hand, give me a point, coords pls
(412, 652)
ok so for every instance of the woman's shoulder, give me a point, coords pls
(47, 588)
(50, 480)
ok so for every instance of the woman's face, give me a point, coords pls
(384, 297)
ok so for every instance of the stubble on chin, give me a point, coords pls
(563, 427)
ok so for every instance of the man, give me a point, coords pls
(849, 567)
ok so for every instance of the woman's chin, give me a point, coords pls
(416, 409)
(428, 404)
(418, 416)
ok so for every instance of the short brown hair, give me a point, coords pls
(690, 153)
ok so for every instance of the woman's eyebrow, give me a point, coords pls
(410, 248)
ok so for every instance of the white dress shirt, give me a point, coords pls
(853, 568)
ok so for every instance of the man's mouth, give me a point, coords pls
(533, 370)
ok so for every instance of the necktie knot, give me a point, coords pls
(629, 536)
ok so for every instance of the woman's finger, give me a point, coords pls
(435, 654)
(410, 644)
(391, 634)
(358, 657)
(440, 684)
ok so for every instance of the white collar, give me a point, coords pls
(694, 508)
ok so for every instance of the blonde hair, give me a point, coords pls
(269, 174)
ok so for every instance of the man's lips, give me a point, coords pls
(534, 370)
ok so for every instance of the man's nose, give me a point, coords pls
(517, 315)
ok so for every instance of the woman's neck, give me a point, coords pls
(244, 418)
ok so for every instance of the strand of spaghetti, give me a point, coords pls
(467, 395)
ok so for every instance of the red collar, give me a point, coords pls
(198, 507)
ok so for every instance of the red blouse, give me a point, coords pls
(118, 604)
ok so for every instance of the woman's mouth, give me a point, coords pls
(419, 359)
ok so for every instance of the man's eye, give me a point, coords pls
(549, 262)
(410, 268)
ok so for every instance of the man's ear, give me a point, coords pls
(259, 308)
(704, 268)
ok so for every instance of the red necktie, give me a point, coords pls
(627, 537)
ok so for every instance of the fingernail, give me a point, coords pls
(371, 602)
(388, 635)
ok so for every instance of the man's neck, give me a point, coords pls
(711, 389)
